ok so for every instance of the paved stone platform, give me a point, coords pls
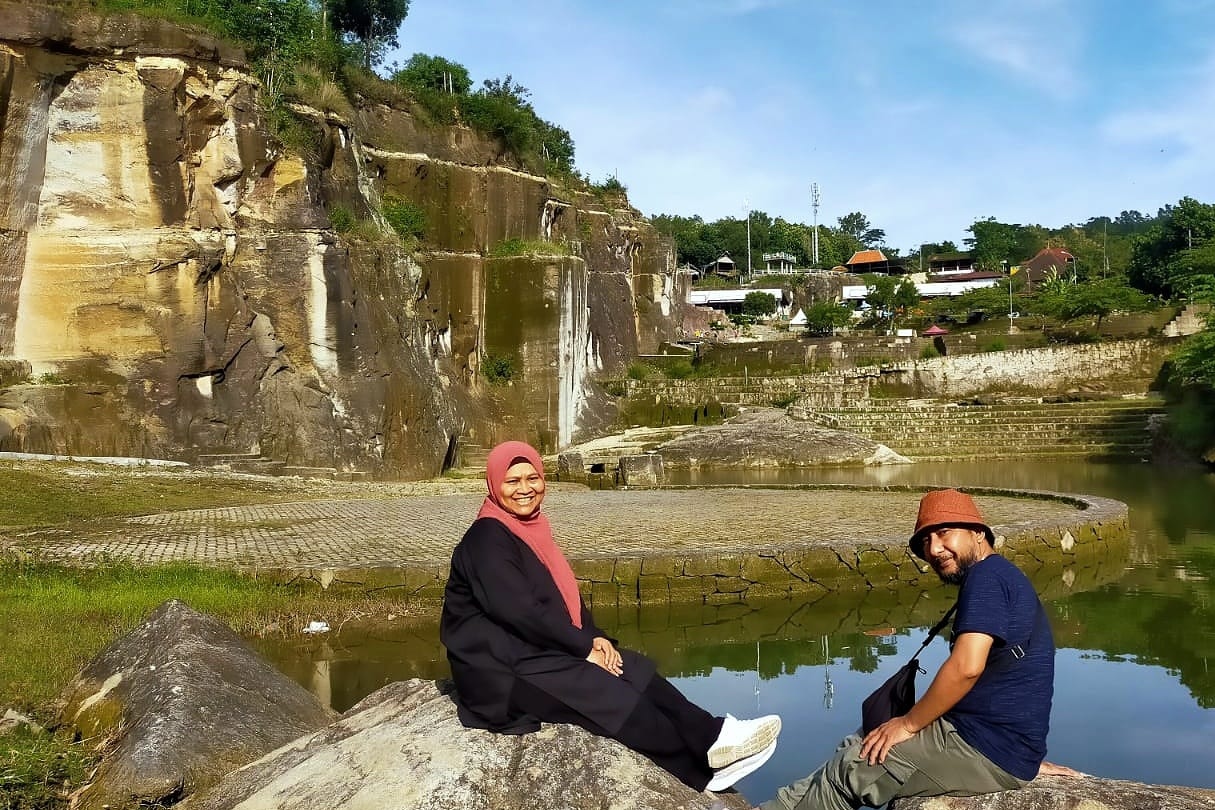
(718, 543)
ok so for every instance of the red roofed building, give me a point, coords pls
(872, 261)
(1059, 260)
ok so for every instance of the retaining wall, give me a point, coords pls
(1075, 553)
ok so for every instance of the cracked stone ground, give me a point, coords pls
(422, 529)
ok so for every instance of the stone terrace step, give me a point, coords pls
(923, 430)
(310, 472)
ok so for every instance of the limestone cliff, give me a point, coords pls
(170, 273)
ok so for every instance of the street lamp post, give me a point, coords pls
(1004, 266)
(747, 206)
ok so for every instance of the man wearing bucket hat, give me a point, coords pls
(981, 725)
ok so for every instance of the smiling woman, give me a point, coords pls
(524, 649)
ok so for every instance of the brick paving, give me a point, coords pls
(420, 530)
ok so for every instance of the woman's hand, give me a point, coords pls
(603, 654)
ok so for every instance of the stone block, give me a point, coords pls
(626, 571)
(730, 584)
(571, 467)
(765, 569)
(603, 596)
(654, 589)
(662, 566)
(709, 565)
(597, 570)
(641, 471)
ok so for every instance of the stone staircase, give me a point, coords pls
(925, 430)
(1188, 322)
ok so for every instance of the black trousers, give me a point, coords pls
(671, 730)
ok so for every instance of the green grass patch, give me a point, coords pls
(527, 247)
(51, 494)
(38, 771)
(640, 371)
(54, 618)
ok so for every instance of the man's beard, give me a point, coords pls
(955, 577)
(958, 575)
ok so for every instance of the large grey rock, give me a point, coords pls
(641, 471)
(768, 437)
(1063, 793)
(180, 701)
(403, 748)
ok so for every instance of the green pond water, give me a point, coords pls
(1134, 689)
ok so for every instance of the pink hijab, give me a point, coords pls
(535, 531)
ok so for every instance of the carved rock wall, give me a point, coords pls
(169, 271)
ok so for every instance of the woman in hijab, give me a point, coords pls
(524, 649)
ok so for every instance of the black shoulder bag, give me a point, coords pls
(896, 696)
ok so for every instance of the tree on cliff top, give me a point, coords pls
(425, 72)
(373, 23)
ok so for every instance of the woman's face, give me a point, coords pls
(522, 490)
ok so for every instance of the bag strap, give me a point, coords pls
(936, 629)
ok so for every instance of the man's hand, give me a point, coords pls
(877, 743)
(605, 655)
(1051, 769)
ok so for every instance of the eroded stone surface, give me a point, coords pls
(1061, 793)
(170, 276)
(768, 437)
(403, 747)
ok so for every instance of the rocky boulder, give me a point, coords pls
(1064, 793)
(177, 703)
(403, 747)
(769, 437)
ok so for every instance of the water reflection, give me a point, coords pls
(1138, 635)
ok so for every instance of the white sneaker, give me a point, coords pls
(730, 774)
(742, 738)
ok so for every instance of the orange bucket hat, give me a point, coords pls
(946, 507)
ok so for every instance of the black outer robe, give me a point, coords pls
(504, 621)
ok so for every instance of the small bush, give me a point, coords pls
(341, 218)
(51, 378)
(359, 81)
(785, 400)
(298, 135)
(995, 345)
(679, 370)
(929, 352)
(498, 369)
(406, 218)
(640, 371)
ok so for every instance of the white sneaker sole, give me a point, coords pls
(727, 776)
(761, 738)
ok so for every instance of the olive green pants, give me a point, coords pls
(935, 762)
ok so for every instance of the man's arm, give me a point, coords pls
(953, 680)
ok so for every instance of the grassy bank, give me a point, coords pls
(42, 494)
(55, 617)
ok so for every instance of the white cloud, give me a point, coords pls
(1036, 44)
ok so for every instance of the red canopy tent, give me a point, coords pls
(933, 331)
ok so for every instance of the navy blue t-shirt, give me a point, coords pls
(1006, 714)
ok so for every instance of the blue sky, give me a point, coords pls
(924, 116)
